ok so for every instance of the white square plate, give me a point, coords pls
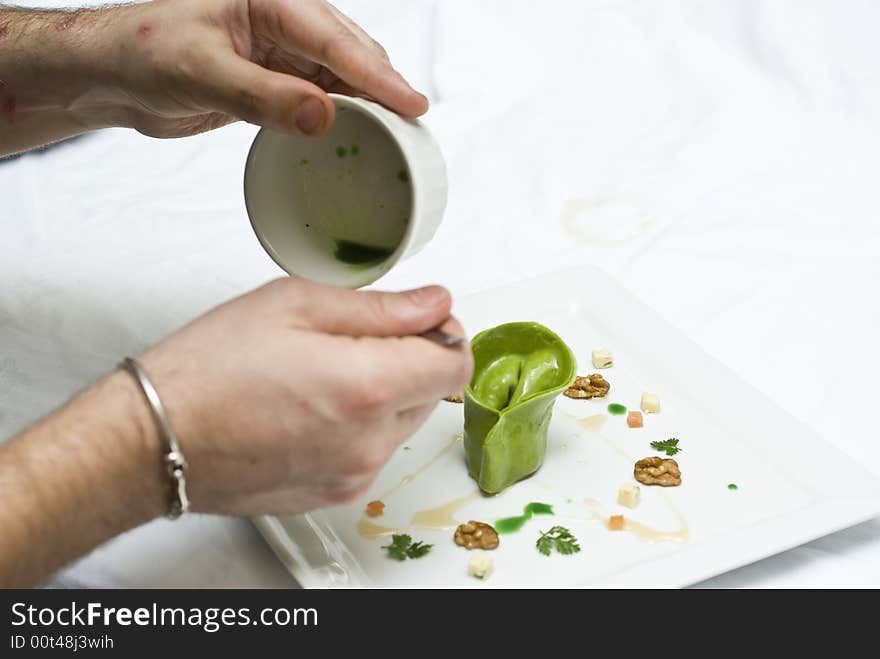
(793, 486)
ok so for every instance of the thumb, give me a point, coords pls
(373, 313)
(282, 102)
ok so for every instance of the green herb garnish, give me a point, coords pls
(403, 176)
(341, 151)
(403, 547)
(558, 538)
(668, 446)
(732, 486)
(355, 149)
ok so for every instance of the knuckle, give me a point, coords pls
(337, 46)
(366, 397)
(380, 308)
(381, 50)
(249, 104)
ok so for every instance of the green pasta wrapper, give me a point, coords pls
(519, 371)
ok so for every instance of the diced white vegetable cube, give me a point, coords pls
(629, 495)
(650, 403)
(602, 358)
(480, 565)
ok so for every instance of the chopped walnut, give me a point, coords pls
(455, 398)
(589, 386)
(476, 535)
(657, 471)
(375, 508)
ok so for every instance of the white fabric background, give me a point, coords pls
(720, 158)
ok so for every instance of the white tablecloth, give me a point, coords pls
(719, 158)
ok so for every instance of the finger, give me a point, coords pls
(314, 30)
(361, 34)
(368, 313)
(416, 372)
(260, 96)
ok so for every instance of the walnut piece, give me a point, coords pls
(476, 535)
(657, 471)
(455, 398)
(588, 386)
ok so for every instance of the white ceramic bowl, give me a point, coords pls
(343, 208)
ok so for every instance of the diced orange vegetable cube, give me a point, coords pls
(375, 508)
(615, 523)
(634, 420)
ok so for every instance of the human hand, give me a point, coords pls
(193, 65)
(294, 396)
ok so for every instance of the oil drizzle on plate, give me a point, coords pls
(406, 480)
(640, 530)
(593, 423)
(441, 518)
(370, 530)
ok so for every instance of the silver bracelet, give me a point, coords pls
(174, 461)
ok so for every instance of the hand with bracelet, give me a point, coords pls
(286, 399)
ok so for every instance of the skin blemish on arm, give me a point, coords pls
(8, 109)
(144, 31)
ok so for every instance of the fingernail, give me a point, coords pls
(430, 296)
(310, 116)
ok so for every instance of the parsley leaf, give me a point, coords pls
(668, 446)
(418, 549)
(558, 538)
(403, 547)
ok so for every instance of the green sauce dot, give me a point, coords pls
(617, 409)
(355, 149)
(732, 486)
(341, 151)
(403, 176)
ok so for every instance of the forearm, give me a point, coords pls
(57, 74)
(85, 474)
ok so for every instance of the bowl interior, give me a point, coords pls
(334, 209)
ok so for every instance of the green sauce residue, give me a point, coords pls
(355, 149)
(341, 151)
(732, 486)
(303, 162)
(617, 409)
(358, 254)
(536, 508)
(513, 524)
(403, 176)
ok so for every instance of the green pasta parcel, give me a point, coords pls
(519, 370)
